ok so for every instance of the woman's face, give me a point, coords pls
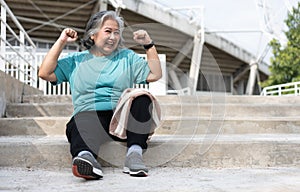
(107, 38)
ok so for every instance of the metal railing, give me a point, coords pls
(18, 61)
(184, 91)
(282, 89)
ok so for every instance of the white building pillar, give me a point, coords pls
(197, 55)
(195, 63)
(252, 78)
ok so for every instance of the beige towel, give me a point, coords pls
(119, 120)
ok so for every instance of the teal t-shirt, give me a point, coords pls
(97, 82)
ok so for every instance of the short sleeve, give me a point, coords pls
(140, 68)
(64, 69)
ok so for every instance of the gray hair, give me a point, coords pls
(95, 22)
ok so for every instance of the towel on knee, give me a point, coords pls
(119, 120)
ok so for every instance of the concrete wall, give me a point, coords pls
(12, 91)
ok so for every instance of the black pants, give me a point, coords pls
(90, 129)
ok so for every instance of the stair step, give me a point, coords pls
(171, 99)
(39, 110)
(208, 151)
(28, 151)
(169, 125)
(187, 109)
(47, 99)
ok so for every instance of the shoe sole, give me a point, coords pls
(135, 173)
(83, 168)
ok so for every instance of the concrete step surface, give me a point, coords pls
(176, 109)
(202, 151)
(169, 125)
(170, 99)
(160, 179)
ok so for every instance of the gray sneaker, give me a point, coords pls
(135, 166)
(87, 167)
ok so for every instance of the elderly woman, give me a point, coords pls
(98, 76)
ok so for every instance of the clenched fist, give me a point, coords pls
(68, 35)
(142, 37)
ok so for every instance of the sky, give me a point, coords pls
(244, 22)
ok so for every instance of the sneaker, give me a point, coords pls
(87, 167)
(135, 166)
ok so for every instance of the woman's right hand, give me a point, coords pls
(68, 35)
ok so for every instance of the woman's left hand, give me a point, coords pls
(142, 37)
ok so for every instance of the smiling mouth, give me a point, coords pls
(110, 44)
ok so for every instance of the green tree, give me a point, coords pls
(285, 63)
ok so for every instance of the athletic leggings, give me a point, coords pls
(90, 129)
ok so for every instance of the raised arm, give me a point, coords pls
(46, 70)
(142, 37)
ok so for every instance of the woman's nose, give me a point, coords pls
(112, 36)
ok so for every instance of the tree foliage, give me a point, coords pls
(285, 63)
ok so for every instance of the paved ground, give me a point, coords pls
(160, 179)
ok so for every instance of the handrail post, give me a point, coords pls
(3, 35)
(22, 62)
(279, 91)
(34, 70)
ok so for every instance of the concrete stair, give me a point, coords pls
(204, 131)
